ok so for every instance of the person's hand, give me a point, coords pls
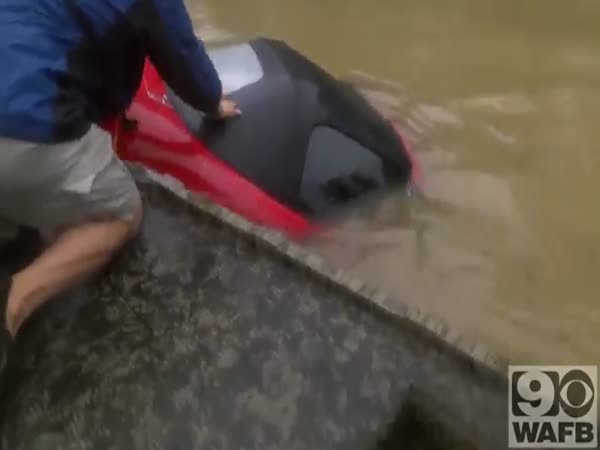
(228, 109)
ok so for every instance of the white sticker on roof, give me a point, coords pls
(237, 65)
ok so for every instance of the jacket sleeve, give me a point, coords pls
(179, 56)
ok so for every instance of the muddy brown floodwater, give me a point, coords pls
(501, 100)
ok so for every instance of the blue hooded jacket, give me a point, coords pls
(69, 63)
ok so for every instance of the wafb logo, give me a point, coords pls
(553, 407)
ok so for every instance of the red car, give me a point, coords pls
(306, 146)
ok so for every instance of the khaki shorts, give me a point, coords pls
(49, 187)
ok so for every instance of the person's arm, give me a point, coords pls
(180, 57)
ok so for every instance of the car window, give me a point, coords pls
(337, 168)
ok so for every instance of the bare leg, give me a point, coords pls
(86, 180)
(76, 254)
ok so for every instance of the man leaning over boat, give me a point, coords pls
(69, 65)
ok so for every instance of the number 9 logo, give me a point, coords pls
(541, 393)
(537, 389)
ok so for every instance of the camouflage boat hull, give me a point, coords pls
(210, 334)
